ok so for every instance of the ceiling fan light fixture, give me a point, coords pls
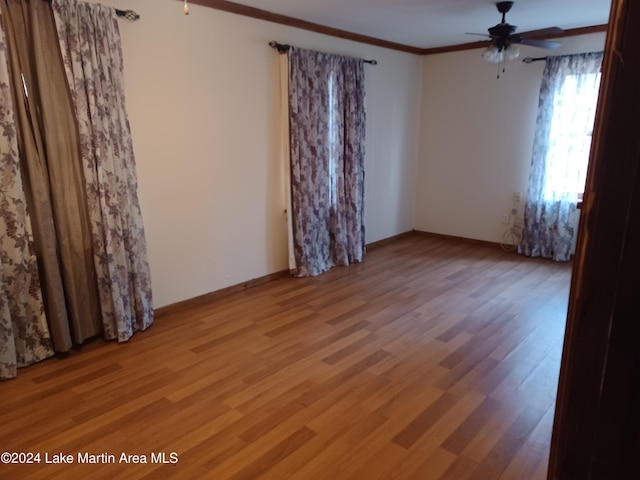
(493, 54)
(511, 53)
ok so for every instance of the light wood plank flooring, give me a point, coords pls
(433, 359)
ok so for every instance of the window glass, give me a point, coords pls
(570, 137)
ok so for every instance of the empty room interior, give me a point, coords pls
(431, 349)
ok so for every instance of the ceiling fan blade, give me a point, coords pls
(543, 32)
(535, 42)
(478, 34)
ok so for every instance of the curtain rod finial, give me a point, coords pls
(278, 46)
(129, 15)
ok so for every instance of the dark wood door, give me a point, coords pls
(597, 422)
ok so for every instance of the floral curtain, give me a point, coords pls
(24, 335)
(566, 108)
(327, 132)
(91, 50)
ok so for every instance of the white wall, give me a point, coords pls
(202, 97)
(477, 138)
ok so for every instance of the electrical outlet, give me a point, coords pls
(505, 218)
(516, 197)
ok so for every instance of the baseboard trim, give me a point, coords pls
(457, 239)
(211, 296)
(387, 241)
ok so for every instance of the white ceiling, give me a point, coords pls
(436, 23)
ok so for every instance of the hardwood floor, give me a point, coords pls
(433, 359)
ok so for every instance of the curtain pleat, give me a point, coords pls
(24, 334)
(353, 166)
(65, 172)
(285, 153)
(91, 51)
(327, 132)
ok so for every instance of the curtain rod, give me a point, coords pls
(539, 59)
(126, 14)
(283, 48)
(529, 59)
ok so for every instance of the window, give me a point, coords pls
(570, 135)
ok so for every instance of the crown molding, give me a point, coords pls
(302, 24)
(265, 15)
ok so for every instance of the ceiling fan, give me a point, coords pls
(504, 38)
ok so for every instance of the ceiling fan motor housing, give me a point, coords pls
(502, 30)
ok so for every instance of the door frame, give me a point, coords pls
(596, 432)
